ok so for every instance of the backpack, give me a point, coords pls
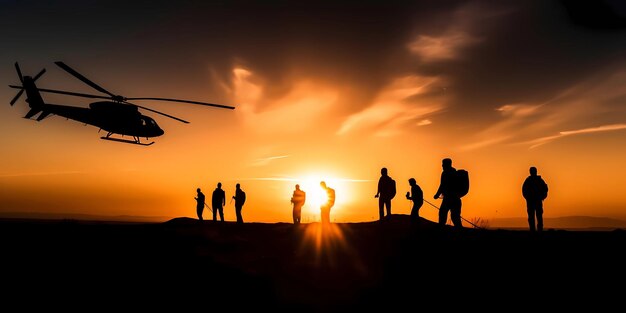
(392, 191)
(461, 183)
(544, 189)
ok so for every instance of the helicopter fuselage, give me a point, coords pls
(113, 117)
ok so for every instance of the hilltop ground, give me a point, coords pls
(184, 263)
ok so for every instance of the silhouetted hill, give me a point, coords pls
(184, 264)
(565, 222)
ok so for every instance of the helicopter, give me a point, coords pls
(116, 115)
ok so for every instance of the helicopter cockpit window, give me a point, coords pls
(143, 122)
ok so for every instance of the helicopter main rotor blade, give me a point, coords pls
(39, 74)
(19, 72)
(19, 93)
(155, 111)
(185, 101)
(70, 93)
(17, 96)
(83, 78)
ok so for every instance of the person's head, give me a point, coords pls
(297, 187)
(238, 186)
(446, 163)
(412, 181)
(533, 171)
(383, 171)
(198, 190)
(219, 185)
(323, 184)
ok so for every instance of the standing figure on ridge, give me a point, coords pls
(298, 198)
(451, 200)
(386, 191)
(240, 199)
(325, 207)
(534, 190)
(199, 203)
(218, 201)
(417, 196)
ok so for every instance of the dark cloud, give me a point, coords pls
(524, 51)
(598, 14)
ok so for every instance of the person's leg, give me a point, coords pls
(241, 214)
(298, 215)
(325, 215)
(295, 216)
(221, 214)
(414, 213)
(215, 213)
(539, 212)
(381, 212)
(443, 212)
(455, 213)
(531, 216)
(388, 206)
(199, 212)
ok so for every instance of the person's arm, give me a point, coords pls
(439, 190)
(525, 192)
(378, 189)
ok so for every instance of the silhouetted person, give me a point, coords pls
(240, 199)
(534, 190)
(199, 203)
(417, 196)
(330, 201)
(386, 191)
(451, 201)
(218, 201)
(298, 198)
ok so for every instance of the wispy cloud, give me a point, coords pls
(599, 99)
(297, 110)
(447, 44)
(267, 160)
(514, 117)
(443, 47)
(8, 175)
(424, 122)
(293, 179)
(604, 128)
(395, 105)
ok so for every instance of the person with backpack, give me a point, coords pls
(534, 190)
(386, 191)
(325, 207)
(448, 187)
(417, 196)
(240, 199)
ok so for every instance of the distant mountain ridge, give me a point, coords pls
(564, 222)
(84, 217)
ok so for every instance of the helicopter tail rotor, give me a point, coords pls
(19, 74)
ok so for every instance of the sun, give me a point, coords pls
(316, 195)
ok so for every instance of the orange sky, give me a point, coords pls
(313, 105)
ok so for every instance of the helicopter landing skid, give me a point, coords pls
(135, 142)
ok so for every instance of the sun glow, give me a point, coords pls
(316, 195)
